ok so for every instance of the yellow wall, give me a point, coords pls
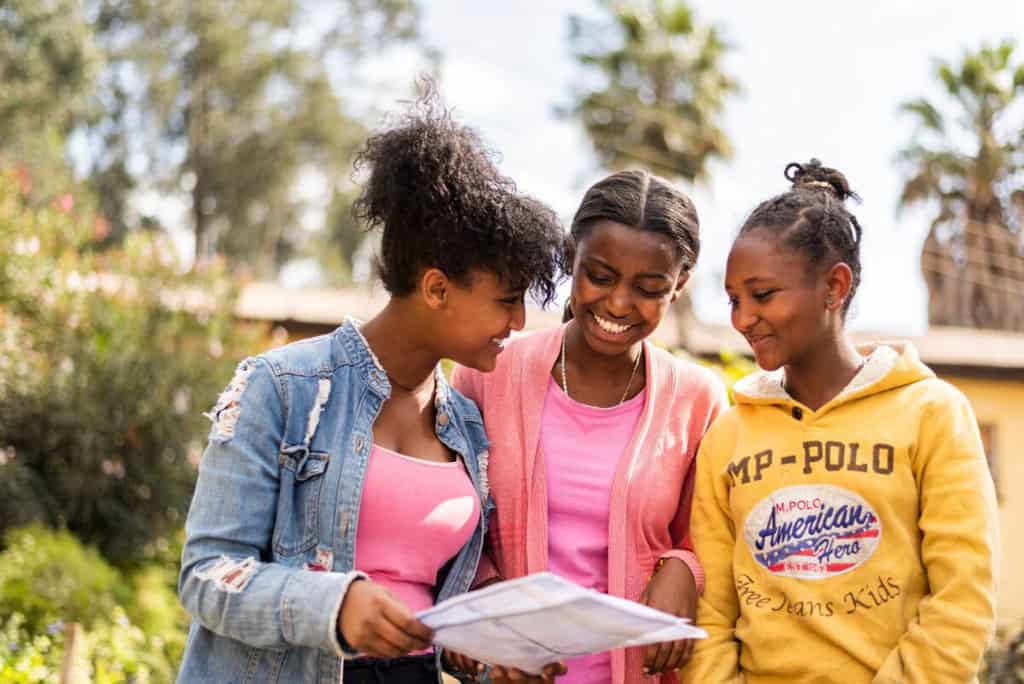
(1001, 403)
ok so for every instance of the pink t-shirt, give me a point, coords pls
(414, 517)
(582, 446)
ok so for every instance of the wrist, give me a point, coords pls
(675, 568)
(343, 643)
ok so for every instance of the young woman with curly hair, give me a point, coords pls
(343, 486)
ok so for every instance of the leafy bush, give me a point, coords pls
(107, 359)
(133, 627)
(114, 651)
(48, 576)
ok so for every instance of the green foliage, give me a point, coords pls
(106, 361)
(113, 651)
(48, 65)
(243, 117)
(133, 627)
(658, 87)
(966, 161)
(48, 576)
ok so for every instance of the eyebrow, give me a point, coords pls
(601, 262)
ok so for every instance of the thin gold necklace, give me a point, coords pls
(565, 384)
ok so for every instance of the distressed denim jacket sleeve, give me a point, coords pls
(227, 583)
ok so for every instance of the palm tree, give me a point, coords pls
(967, 161)
(659, 91)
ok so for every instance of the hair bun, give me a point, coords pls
(814, 176)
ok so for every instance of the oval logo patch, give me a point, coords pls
(812, 531)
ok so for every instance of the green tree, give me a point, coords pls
(237, 109)
(659, 87)
(49, 63)
(966, 162)
(107, 360)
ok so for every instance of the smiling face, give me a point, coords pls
(478, 317)
(623, 282)
(777, 299)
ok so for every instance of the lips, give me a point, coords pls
(759, 341)
(610, 326)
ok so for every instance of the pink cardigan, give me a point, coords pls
(653, 484)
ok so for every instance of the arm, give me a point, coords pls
(682, 541)
(959, 547)
(715, 659)
(226, 582)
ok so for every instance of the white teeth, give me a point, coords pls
(499, 342)
(610, 327)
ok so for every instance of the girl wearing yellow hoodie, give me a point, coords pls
(844, 512)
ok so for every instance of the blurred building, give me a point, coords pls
(987, 366)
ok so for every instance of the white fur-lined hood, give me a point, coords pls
(886, 365)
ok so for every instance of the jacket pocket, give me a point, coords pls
(298, 501)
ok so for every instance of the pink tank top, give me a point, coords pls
(414, 517)
(582, 446)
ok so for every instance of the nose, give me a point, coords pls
(744, 317)
(518, 316)
(620, 301)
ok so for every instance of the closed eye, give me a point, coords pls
(598, 279)
(764, 295)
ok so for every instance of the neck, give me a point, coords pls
(818, 378)
(402, 349)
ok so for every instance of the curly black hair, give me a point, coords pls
(434, 189)
(813, 219)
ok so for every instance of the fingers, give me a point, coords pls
(668, 656)
(510, 675)
(553, 670)
(376, 623)
(393, 641)
(650, 655)
(687, 651)
(462, 664)
(401, 619)
(557, 669)
(674, 660)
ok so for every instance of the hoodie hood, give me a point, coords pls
(887, 365)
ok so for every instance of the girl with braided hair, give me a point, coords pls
(594, 429)
(844, 514)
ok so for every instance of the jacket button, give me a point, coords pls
(442, 419)
(798, 413)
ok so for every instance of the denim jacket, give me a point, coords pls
(270, 536)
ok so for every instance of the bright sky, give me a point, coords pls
(820, 79)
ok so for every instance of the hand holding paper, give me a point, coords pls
(532, 621)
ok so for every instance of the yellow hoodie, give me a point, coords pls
(855, 543)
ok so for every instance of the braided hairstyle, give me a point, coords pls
(812, 218)
(640, 200)
(442, 203)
